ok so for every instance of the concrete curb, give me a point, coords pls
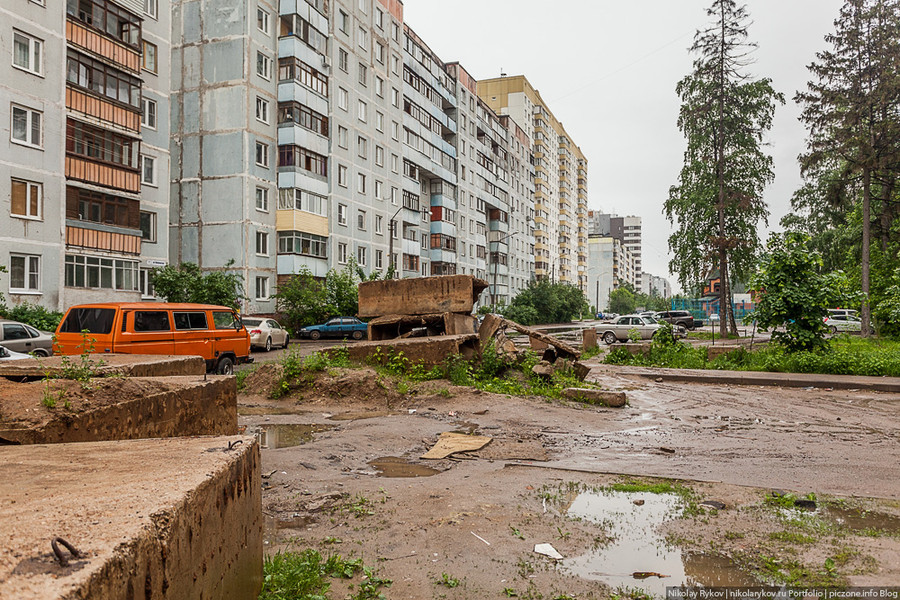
(797, 380)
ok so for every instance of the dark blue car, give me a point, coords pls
(343, 327)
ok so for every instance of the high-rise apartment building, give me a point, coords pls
(85, 166)
(560, 197)
(625, 229)
(610, 264)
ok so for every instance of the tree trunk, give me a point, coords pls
(866, 233)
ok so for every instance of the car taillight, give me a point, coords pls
(255, 331)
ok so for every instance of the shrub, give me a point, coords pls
(35, 315)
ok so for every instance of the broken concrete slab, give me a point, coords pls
(714, 352)
(117, 409)
(457, 324)
(420, 295)
(591, 396)
(127, 365)
(581, 370)
(157, 519)
(562, 348)
(428, 351)
(389, 327)
(489, 327)
(451, 443)
(543, 369)
(588, 339)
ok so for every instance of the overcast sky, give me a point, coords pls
(608, 70)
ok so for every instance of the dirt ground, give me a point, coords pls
(469, 529)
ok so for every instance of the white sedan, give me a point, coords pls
(6, 354)
(843, 324)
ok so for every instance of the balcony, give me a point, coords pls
(104, 110)
(97, 237)
(106, 175)
(83, 37)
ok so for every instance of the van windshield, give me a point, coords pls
(94, 320)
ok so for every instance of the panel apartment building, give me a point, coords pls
(84, 167)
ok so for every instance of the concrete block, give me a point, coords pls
(591, 396)
(420, 295)
(118, 409)
(588, 339)
(636, 349)
(714, 352)
(430, 351)
(153, 519)
(126, 365)
(457, 324)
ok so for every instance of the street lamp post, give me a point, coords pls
(494, 287)
(391, 227)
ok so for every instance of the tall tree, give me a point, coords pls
(852, 110)
(717, 205)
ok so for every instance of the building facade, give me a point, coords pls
(86, 162)
(611, 265)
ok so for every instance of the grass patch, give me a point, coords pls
(241, 377)
(300, 575)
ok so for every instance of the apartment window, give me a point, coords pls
(395, 163)
(379, 156)
(342, 253)
(262, 110)
(343, 21)
(362, 146)
(27, 52)
(262, 20)
(148, 113)
(379, 259)
(378, 224)
(148, 57)
(395, 31)
(361, 220)
(262, 154)
(151, 8)
(395, 130)
(394, 196)
(102, 79)
(148, 170)
(342, 176)
(262, 243)
(104, 273)
(343, 99)
(291, 68)
(379, 121)
(298, 242)
(26, 126)
(24, 273)
(107, 17)
(363, 7)
(262, 288)
(148, 226)
(342, 214)
(363, 38)
(395, 64)
(363, 72)
(379, 52)
(379, 86)
(26, 199)
(362, 111)
(395, 98)
(361, 183)
(301, 158)
(379, 18)
(342, 137)
(343, 60)
(262, 199)
(263, 65)
(361, 256)
(294, 112)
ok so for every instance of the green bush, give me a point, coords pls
(35, 315)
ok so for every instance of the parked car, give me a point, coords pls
(676, 317)
(843, 323)
(6, 354)
(843, 312)
(714, 318)
(620, 329)
(20, 337)
(266, 333)
(337, 327)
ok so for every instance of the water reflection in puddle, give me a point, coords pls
(273, 436)
(863, 521)
(636, 547)
(353, 416)
(254, 410)
(394, 466)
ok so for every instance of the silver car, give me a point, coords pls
(266, 333)
(20, 337)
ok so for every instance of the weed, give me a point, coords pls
(516, 532)
(525, 568)
(332, 540)
(241, 377)
(792, 537)
(448, 581)
(510, 593)
(562, 535)
(444, 392)
(734, 535)
(403, 387)
(298, 371)
(306, 575)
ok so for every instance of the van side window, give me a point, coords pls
(94, 320)
(223, 320)
(157, 320)
(190, 320)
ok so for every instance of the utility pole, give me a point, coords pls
(392, 225)
(494, 287)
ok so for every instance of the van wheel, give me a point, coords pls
(225, 366)
(357, 335)
(268, 344)
(610, 338)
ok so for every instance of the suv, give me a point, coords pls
(677, 317)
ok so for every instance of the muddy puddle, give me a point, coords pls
(637, 556)
(255, 410)
(354, 416)
(274, 436)
(273, 525)
(394, 466)
(860, 521)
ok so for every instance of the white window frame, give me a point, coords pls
(265, 154)
(379, 18)
(342, 214)
(379, 156)
(262, 243)
(363, 38)
(343, 21)
(379, 86)
(28, 266)
(343, 60)
(29, 126)
(343, 99)
(149, 117)
(153, 225)
(363, 75)
(35, 53)
(265, 63)
(362, 111)
(361, 220)
(262, 288)
(379, 190)
(379, 228)
(29, 186)
(152, 180)
(342, 176)
(342, 253)
(361, 256)
(362, 147)
(343, 137)
(262, 199)
(262, 16)
(151, 8)
(379, 121)
(262, 110)
(361, 183)
(149, 59)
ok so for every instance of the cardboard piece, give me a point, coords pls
(451, 443)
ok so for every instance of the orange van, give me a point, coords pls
(214, 332)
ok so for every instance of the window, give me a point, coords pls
(378, 190)
(27, 52)
(298, 242)
(379, 121)
(379, 18)
(395, 130)
(343, 21)
(107, 17)
(298, 199)
(361, 256)
(378, 224)
(343, 99)
(105, 273)
(379, 52)
(379, 259)
(395, 163)
(395, 31)
(342, 176)
(262, 154)
(262, 199)
(342, 136)
(148, 57)
(395, 64)
(148, 226)
(262, 20)
(301, 158)
(363, 6)
(299, 114)
(26, 126)
(395, 98)
(363, 75)
(262, 243)
(342, 253)
(99, 144)
(262, 110)
(148, 113)
(342, 214)
(342, 60)
(26, 199)
(361, 183)
(292, 68)
(190, 320)
(100, 78)
(362, 147)
(151, 8)
(363, 38)
(24, 273)
(362, 111)
(263, 65)
(148, 170)
(379, 156)
(394, 195)
(262, 288)
(146, 287)
(361, 220)
(379, 86)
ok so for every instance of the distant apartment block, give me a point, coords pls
(655, 286)
(625, 229)
(610, 265)
(85, 166)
